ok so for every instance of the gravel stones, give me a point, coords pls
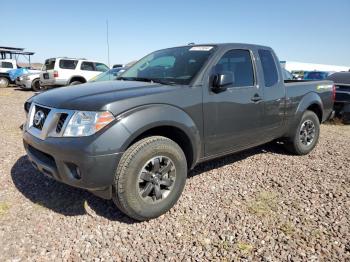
(261, 204)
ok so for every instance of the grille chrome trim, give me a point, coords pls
(50, 124)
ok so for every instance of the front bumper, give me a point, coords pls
(25, 84)
(69, 160)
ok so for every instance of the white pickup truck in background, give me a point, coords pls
(5, 66)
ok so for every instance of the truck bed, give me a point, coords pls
(299, 91)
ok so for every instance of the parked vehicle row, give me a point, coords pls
(134, 140)
(310, 75)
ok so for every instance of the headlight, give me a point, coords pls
(86, 123)
(26, 78)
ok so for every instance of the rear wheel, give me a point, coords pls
(150, 178)
(36, 85)
(306, 135)
(4, 82)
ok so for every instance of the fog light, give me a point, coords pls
(77, 173)
(74, 171)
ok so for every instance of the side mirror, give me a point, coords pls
(221, 81)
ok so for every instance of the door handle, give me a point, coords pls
(256, 98)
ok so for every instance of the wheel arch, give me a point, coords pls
(311, 101)
(167, 121)
(77, 78)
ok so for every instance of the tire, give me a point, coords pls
(135, 194)
(75, 83)
(36, 85)
(4, 82)
(304, 139)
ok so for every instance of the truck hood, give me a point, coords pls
(98, 95)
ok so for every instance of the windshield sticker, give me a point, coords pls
(201, 48)
(321, 87)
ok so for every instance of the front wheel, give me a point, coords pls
(4, 82)
(36, 85)
(150, 178)
(306, 135)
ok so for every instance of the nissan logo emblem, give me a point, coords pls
(39, 118)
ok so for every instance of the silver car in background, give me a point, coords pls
(29, 81)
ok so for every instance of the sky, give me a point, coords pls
(306, 31)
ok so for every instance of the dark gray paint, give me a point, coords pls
(215, 123)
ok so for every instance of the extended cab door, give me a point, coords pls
(232, 118)
(273, 92)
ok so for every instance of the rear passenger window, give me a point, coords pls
(269, 67)
(49, 64)
(87, 66)
(7, 65)
(68, 64)
(238, 62)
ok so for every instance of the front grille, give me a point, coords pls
(40, 116)
(343, 88)
(61, 121)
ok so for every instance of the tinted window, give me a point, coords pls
(7, 65)
(87, 66)
(101, 67)
(49, 64)
(269, 67)
(238, 62)
(68, 64)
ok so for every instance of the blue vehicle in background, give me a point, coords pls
(316, 75)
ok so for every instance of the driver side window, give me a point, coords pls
(239, 63)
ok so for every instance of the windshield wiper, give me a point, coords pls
(144, 79)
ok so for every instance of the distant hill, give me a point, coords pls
(37, 66)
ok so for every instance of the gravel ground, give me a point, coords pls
(262, 204)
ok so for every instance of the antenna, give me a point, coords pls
(109, 64)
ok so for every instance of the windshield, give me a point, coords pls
(111, 74)
(177, 65)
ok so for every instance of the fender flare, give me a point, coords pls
(78, 76)
(141, 119)
(309, 99)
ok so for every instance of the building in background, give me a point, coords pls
(292, 66)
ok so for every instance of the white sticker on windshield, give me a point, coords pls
(201, 48)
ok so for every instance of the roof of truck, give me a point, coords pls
(229, 44)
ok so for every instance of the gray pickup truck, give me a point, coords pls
(134, 140)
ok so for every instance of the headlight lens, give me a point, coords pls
(86, 123)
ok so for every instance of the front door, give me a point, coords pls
(232, 117)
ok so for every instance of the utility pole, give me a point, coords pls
(109, 64)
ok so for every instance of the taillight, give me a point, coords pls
(55, 74)
(333, 93)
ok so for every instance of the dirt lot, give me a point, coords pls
(262, 204)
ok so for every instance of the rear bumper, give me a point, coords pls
(52, 82)
(60, 160)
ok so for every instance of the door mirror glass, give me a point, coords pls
(222, 80)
